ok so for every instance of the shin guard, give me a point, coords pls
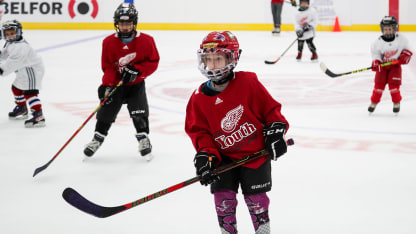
(258, 206)
(226, 204)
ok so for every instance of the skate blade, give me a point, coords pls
(37, 125)
(148, 157)
(20, 117)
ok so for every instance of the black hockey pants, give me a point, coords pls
(310, 44)
(135, 98)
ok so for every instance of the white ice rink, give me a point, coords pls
(348, 173)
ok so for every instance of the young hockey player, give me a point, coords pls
(226, 118)
(389, 47)
(19, 57)
(128, 56)
(277, 6)
(306, 21)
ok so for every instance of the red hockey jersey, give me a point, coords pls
(231, 123)
(141, 52)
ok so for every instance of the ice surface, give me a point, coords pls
(348, 172)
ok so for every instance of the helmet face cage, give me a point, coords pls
(389, 21)
(216, 74)
(126, 12)
(12, 25)
(303, 8)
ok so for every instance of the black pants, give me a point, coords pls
(310, 44)
(135, 98)
(277, 14)
(252, 181)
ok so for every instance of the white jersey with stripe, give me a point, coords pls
(303, 18)
(389, 51)
(21, 58)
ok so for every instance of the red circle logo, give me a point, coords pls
(82, 8)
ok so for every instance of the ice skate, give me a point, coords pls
(299, 57)
(314, 57)
(145, 148)
(93, 146)
(396, 108)
(36, 121)
(372, 107)
(19, 112)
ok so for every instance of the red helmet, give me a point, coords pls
(218, 43)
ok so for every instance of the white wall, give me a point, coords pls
(258, 11)
(213, 11)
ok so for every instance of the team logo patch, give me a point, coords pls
(390, 54)
(124, 61)
(230, 121)
(303, 21)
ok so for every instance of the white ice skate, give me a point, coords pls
(94, 144)
(145, 148)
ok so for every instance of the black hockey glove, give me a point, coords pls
(293, 3)
(274, 139)
(103, 92)
(299, 32)
(204, 164)
(129, 74)
(307, 28)
(1, 72)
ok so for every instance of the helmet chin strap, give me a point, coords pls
(225, 79)
(388, 37)
(126, 35)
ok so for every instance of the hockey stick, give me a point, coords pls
(40, 169)
(78, 201)
(333, 75)
(277, 60)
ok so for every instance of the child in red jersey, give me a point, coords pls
(128, 56)
(226, 119)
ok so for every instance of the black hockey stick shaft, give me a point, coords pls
(78, 201)
(277, 60)
(40, 169)
(333, 75)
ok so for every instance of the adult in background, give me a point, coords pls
(277, 6)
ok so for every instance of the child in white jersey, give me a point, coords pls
(389, 47)
(306, 21)
(19, 57)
